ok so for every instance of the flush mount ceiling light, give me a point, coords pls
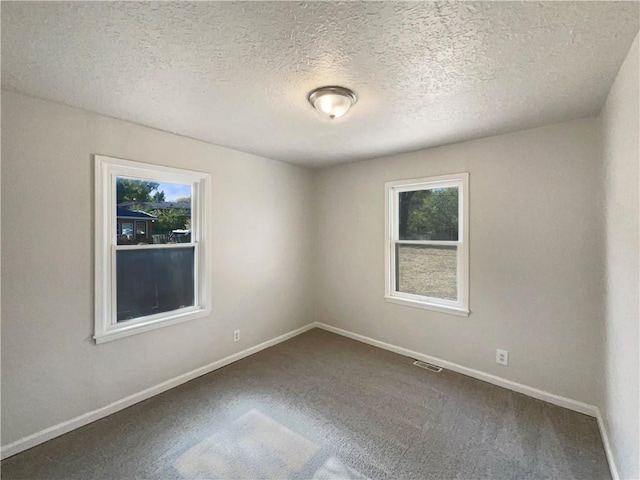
(332, 102)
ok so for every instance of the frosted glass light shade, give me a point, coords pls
(332, 102)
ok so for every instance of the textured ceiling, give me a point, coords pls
(238, 73)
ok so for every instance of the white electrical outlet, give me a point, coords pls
(236, 335)
(502, 357)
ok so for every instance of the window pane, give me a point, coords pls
(429, 270)
(124, 231)
(428, 214)
(154, 281)
(161, 211)
(141, 231)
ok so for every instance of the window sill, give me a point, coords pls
(460, 312)
(127, 330)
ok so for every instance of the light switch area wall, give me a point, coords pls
(51, 369)
(621, 149)
(535, 256)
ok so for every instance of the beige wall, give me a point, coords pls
(51, 369)
(621, 146)
(535, 255)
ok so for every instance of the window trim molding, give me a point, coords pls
(105, 246)
(392, 189)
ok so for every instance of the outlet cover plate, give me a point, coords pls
(502, 357)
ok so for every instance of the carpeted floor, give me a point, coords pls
(322, 406)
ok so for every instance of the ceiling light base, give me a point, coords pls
(332, 102)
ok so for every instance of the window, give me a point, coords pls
(141, 231)
(427, 244)
(151, 265)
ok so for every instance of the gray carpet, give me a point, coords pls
(321, 406)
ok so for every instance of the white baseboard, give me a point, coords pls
(607, 447)
(77, 422)
(565, 402)
(569, 403)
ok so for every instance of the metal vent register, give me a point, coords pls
(427, 366)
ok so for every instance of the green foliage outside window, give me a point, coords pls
(171, 219)
(129, 190)
(429, 214)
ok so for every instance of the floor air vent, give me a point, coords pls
(427, 366)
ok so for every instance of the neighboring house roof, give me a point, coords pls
(157, 205)
(124, 213)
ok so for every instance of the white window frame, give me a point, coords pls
(392, 190)
(106, 170)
